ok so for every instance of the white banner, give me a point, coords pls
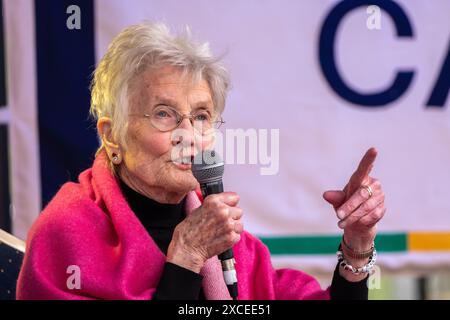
(327, 120)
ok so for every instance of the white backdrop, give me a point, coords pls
(272, 55)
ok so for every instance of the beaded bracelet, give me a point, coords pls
(364, 269)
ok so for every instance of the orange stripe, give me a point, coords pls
(429, 241)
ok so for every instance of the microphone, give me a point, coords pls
(208, 169)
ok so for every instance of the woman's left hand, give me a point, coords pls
(360, 205)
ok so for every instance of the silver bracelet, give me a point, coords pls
(364, 269)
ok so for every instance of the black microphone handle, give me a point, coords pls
(226, 255)
(214, 187)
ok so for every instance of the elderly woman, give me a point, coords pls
(135, 225)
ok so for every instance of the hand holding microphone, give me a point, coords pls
(213, 228)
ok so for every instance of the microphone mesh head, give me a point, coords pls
(208, 166)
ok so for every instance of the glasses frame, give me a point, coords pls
(180, 118)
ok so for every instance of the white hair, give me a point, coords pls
(139, 48)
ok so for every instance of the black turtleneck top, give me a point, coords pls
(160, 220)
(178, 283)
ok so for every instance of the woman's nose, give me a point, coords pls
(184, 133)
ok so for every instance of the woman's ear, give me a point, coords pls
(104, 128)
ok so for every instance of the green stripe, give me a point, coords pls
(387, 242)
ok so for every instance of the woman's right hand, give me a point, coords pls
(208, 231)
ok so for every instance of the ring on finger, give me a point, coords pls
(369, 190)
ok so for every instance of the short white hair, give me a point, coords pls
(139, 48)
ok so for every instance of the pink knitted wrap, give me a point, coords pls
(90, 225)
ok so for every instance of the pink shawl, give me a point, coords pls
(90, 225)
